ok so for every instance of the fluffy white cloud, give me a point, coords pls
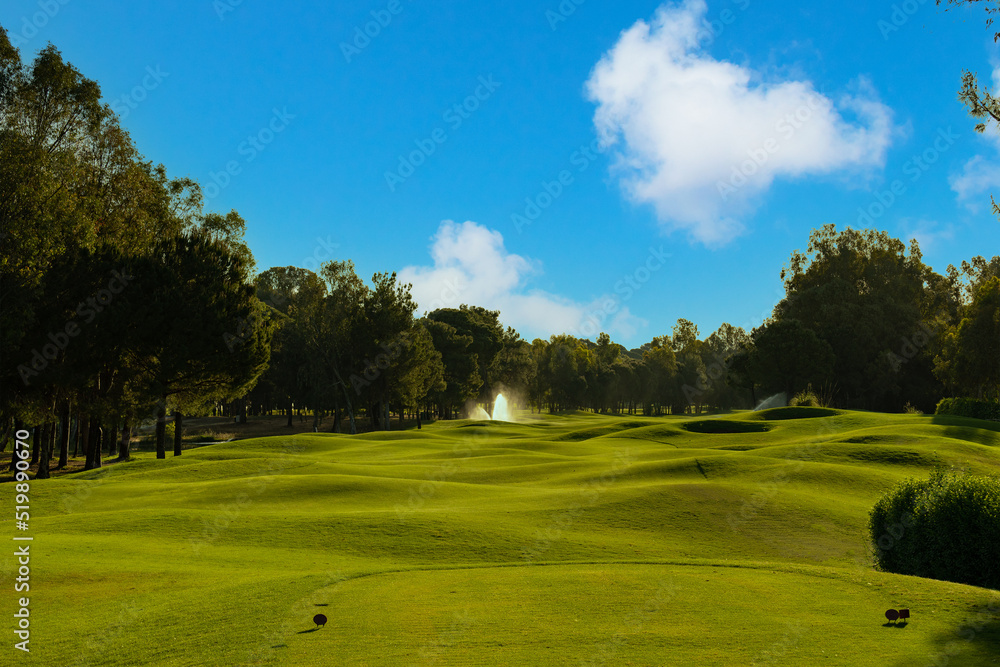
(471, 265)
(701, 139)
(978, 179)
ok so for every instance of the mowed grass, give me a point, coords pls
(565, 539)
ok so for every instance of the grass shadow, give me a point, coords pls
(980, 431)
(975, 642)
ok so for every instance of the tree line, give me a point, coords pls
(125, 300)
(118, 287)
(864, 324)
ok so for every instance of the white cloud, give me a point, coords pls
(980, 175)
(472, 266)
(702, 139)
(978, 179)
(930, 234)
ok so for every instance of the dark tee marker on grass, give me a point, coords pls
(900, 615)
(319, 619)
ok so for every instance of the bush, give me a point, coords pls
(946, 528)
(911, 410)
(968, 407)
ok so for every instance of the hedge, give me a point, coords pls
(969, 407)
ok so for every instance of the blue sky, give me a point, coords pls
(581, 167)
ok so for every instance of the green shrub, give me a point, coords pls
(968, 407)
(946, 528)
(912, 410)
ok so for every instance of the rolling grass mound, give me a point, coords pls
(795, 412)
(566, 539)
(726, 426)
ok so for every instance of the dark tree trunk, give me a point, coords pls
(243, 410)
(64, 432)
(98, 442)
(94, 445)
(289, 424)
(13, 454)
(43, 459)
(113, 436)
(125, 442)
(6, 437)
(178, 431)
(51, 444)
(36, 443)
(161, 430)
(83, 435)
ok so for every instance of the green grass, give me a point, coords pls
(566, 539)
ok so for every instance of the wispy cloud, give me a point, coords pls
(930, 234)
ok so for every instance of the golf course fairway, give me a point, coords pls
(577, 539)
